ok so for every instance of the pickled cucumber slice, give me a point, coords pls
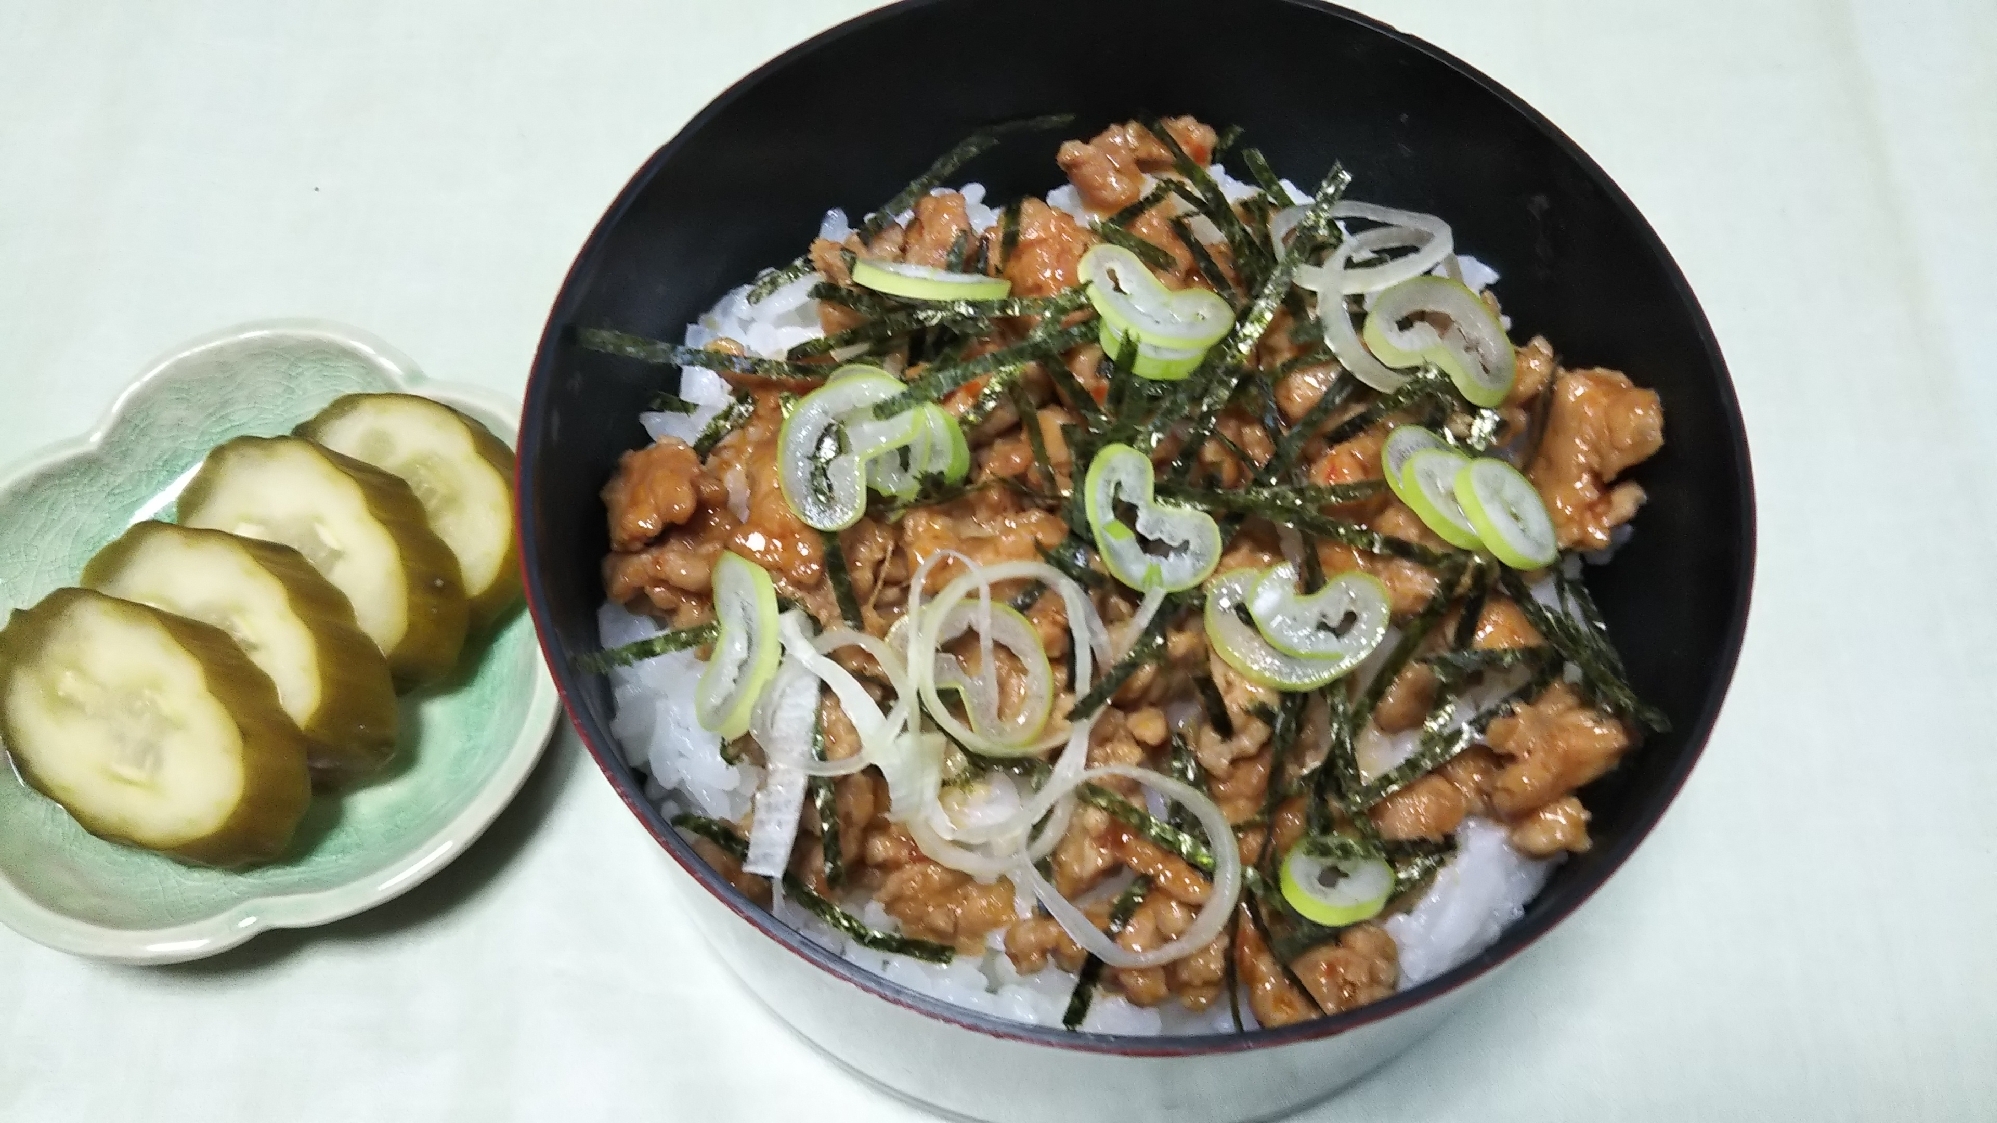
(461, 472)
(360, 527)
(292, 623)
(151, 729)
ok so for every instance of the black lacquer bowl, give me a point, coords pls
(849, 117)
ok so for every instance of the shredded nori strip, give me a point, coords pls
(1184, 767)
(978, 312)
(1023, 601)
(1276, 502)
(1029, 420)
(853, 929)
(1425, 382)
(1071, 556)
(672, 354)
(1438, 748)
(1591, 652)
(1206, 195)
(1456, 666)
(1136, 210)
(1574, 593)
(1150, 827)
(842, 581)
(1216, 708)
(1229, 137)
(1072, 392)
(1284, 460)
(1120, 912)
(715, 831)
(1148, 647)
(1308, 520)
(1224, 361)
(1415, 861)
(663, 402)
(953, 259)
(825, 800)
(1265, 177)
(1413, 634)
(1338, 777)
(946, 165)
(1203, 259)
(1284, 725)
(651, 647)
(1147, 251)
(1009, 233)
(989, 396)
(778, 278)
(1472, 614)
(1048, 338)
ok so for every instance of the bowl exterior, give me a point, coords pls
(1003, 1079)
(743, 186)
(468, 742)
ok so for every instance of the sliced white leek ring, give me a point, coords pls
(1428, 235)
(1429, 481)
(1473, 350)
(1402, 443)
(1167, 545)
(1243, 646)
(1213, 914)
(1087, 635)
(745, 652)
(1508, 513)
(997, 625)
(1335, 889)
(1337, 278)
(1344, 621)
(782, 723)
(922, 282)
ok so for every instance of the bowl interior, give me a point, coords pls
(55, 512)
(743, 187)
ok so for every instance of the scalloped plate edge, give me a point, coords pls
(213, 935)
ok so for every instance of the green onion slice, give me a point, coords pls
(1344, 621)
(1429, 489)
(746, 651)
(1166, 545)
(1508, 513)
(1335, 885)
(949, 453)
(830, 443)
(1403, 443)
(1173, 329)
(922, 282)
(1473, 349)
(1243, 646)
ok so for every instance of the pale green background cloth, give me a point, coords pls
(1812, 932)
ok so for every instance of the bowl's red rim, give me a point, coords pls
(1514, 940)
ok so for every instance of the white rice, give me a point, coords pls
(1475, 897)
(1482, 889)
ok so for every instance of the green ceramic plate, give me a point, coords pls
(468, 742)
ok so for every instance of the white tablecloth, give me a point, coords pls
(1810, 935)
